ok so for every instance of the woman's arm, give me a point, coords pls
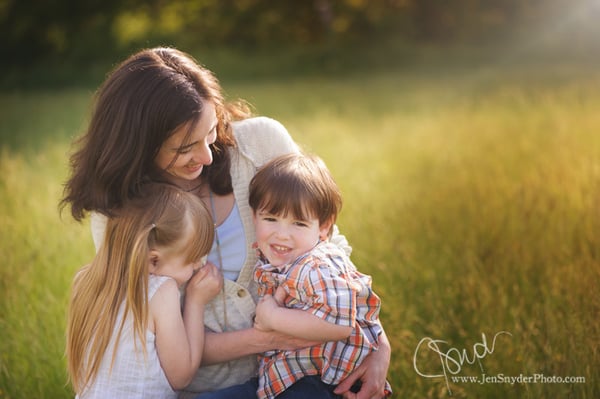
(231, 345)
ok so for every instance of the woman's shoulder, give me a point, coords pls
(262, 138)
(259, 125)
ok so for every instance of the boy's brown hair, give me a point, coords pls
(299, 184)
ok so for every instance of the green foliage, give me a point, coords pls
(84, 32)
(471, 197)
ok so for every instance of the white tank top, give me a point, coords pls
(132, 375)
(232, 242)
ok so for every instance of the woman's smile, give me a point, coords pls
(194, 168)
(187, 151)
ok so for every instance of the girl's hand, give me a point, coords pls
(205, 284)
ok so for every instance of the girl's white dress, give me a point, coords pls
(132, 375)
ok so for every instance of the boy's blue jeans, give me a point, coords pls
(308, 387)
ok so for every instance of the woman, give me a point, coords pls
(160, 116)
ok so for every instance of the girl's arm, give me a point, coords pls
(180, 340)
(178, 352)
(295, 322)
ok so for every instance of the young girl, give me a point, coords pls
(126, 336)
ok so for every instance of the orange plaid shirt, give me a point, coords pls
(326, 283)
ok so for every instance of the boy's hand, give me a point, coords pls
(265, 309)
(280, 295)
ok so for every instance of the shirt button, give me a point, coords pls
(241, 293)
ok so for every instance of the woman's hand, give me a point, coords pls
(371, 373)
(205, 284)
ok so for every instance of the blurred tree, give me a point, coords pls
(34, 28)
(31, 30)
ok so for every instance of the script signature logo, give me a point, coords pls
(452, 360)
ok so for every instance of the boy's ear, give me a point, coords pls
(325, 229)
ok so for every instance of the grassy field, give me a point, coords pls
(471, 196)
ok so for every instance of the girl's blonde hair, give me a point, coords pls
(119, 273)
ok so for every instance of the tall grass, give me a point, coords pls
(40, 254)
(471, 196)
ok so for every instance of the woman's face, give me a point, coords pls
(186, 161)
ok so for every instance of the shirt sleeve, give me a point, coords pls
(262, 139)
(98, 227)
(328, 295)
(340, 241)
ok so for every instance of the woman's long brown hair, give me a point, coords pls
(139, 106)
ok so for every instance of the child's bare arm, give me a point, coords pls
(180, 340)
(295, 322)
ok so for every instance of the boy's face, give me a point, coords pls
(283, 239)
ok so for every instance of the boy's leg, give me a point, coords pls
(309, 387)
(246, 390)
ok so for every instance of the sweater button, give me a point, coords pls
(241, 293)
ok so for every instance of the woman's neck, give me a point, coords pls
(195, 185)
